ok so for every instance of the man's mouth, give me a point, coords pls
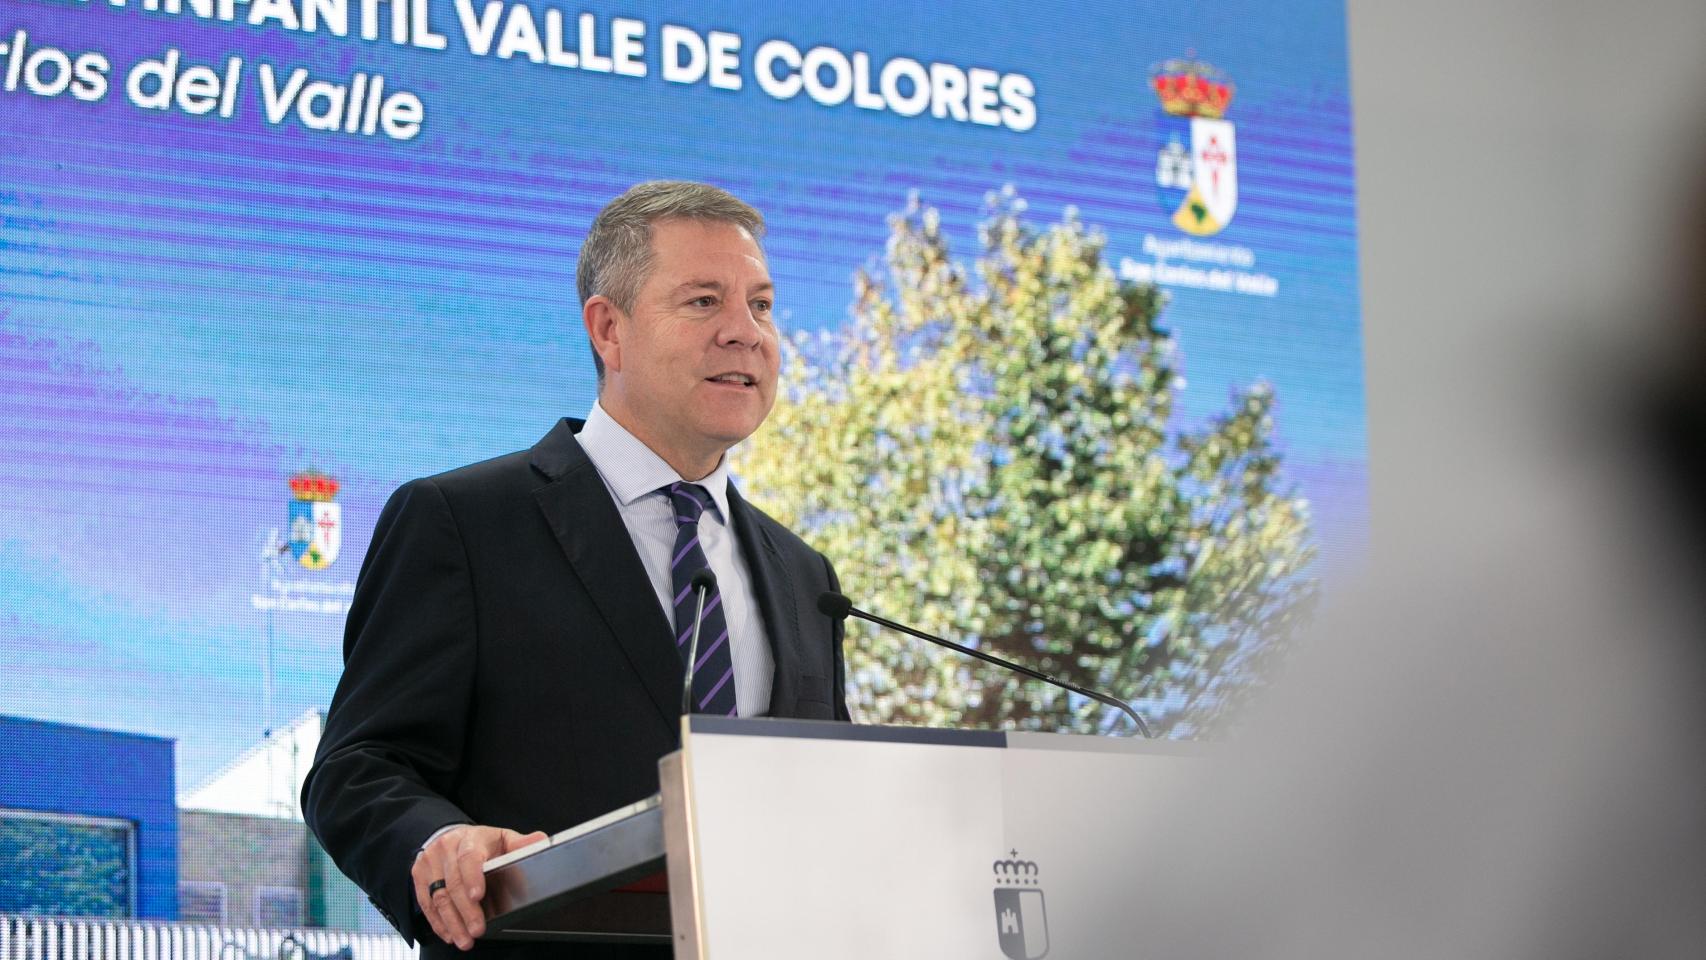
(734, 379)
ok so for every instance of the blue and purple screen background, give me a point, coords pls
(193, 309)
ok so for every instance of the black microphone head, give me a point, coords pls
(703, 579)
(834, 605)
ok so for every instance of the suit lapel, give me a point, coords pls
(774, 590)
(583, 517)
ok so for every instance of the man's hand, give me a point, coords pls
(456, 857)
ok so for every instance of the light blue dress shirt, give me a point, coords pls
(633, 473)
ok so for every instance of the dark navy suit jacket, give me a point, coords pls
(506, 662)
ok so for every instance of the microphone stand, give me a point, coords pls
(830, 604)
(703, 582)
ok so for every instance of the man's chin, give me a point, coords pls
(730, 427)
(728, 435)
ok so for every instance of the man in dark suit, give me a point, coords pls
(514, 653)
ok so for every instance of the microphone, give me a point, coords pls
(702, 582)
(837, 606)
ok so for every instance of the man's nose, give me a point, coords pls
(739, 326)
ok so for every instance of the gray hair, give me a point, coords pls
(616, 256)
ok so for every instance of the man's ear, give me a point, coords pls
(604, 330)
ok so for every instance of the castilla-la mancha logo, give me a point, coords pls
(1199, 183)
(316, 522)
(1019, 917)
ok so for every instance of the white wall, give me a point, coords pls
(266, 779)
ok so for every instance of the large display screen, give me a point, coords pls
(1073, 363)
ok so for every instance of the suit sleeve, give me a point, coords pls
(394, 737)
(837, 639)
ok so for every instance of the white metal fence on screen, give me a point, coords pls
(55, 938)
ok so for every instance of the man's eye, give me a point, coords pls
(703, 301)
(762, 305)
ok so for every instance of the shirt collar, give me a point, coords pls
(633, 470)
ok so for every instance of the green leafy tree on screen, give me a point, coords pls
(63, 868)
(987, 451)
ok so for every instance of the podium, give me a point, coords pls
(790, 838)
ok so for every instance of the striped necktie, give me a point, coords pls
(714, 674)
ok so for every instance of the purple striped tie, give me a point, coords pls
(714, 676)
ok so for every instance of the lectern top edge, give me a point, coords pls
(838, 730)
(934, 736)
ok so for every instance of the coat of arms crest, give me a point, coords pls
(1196, 172)
(1020, 920)
(315, 522)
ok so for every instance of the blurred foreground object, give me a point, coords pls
(1495, 749)
(1492, 746)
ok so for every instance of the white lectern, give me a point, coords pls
(786, 838)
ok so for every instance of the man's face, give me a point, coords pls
(694, 364)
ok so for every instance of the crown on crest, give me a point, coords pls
(1015, 872)
(313, 486)
(1191, 88)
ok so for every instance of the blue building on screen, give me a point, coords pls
(88, 822)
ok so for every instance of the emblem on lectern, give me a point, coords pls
(1020, 920)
